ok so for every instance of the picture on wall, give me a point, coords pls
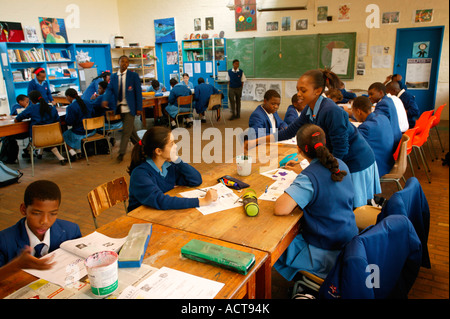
(197, 24)
(420, 49)
(322, 13)
(301, 24)
(53, 30)
(209, 23)
(31, 34)
(390, 17)
(286, 23)
(11, 32)
(344, 12)
(245, 15)
(272, 26)
(164, 30)
(425, 15)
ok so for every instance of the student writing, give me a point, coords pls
(155, 169)
(325, 192)
(22, 102)
(39, 232)
(377, 131)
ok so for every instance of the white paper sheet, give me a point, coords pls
(226, 199)
(168, 283)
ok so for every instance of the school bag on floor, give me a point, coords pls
(8, 176)
(9, 150)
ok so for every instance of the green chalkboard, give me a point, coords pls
(288, 57)
(285, 57)
(328, 42)
(243, 50)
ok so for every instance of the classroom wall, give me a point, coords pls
(98, 20)
(136, 26)
(103, 19)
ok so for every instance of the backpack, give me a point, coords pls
(9, 151)
(8, 176)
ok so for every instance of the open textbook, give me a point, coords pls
(69, 258)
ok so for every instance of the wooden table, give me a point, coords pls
(164, 250)
(265, 232)
(155, 102)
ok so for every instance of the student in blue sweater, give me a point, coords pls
(324, 191)
(376, 129)
(22, 102)
(385, 105)
(38, 233)
(202, 92)
(155, 169)
(346, 96)
(156, 87)
(293, 110)
(40, 113)
(76, 112)
(40, 84)
(178, 89)
(265, 119)
(408, 100)
(186, 81)
(343, 139)
(92, 89)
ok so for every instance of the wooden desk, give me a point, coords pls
(155, 102)
(164, 250)
(9, 127)
(265, 232)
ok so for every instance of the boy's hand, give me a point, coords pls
(27, 261)
(211, 196)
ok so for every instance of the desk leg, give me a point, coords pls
(144, 121)
(264, 281)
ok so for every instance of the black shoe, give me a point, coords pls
(203, 120)
(26, 155)
(188, 124)
(63, 162)
(232, 117)
(73, 158)
(119, 158)
(112, 141)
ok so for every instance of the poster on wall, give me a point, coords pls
(53, 30)
(254, 90)
(418, 72)
(164, 30)
(421, 49)
(425, 15)
(390, 17)
(11, 32)
(245, 15)
(344, 12)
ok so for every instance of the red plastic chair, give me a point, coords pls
(423, 120)
(437, 114)
(420, 139)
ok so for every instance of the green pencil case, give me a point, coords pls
(224, 257)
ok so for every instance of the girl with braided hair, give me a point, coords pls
(155, 169)
(324, 191)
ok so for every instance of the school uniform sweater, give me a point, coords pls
(260, 120)
(329, 221)
(91, 89)
(74, 116)
(377, 131)
(346, 96)
(343, 139)
(148, 185)
(178, 90)
(32, 112)
(291, 114)
(202, 93)
(15, 107)
(386, 107)
(235, 78)
(43, 88)
(412, 110)
(14, 238)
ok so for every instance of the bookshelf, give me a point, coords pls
(203, 58)
(144, 66)
(18, 59)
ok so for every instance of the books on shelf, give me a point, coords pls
(22, 75)
(63, 55)
(32, 55)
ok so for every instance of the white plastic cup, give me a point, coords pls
(244, 166)
(102, 269)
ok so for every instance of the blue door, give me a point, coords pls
(168, 62)
(415, 49)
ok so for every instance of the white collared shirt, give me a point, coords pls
(123, 76)
(271, 119)
(35, 241)
(401, 113)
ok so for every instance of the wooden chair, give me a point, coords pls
(183, 101)
(48, 135)
(399, 168)
(110, 116)
(215, 105)
(94, 124)
(107, 195)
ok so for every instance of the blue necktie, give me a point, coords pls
(38, 249)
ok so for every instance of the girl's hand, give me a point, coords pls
(293, 166)
(211, 196)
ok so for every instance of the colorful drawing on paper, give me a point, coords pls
(344, 12)
(164, 30)
(11, 32)
(421, 49)
(390, 17)
(245, 15)
(53, 30)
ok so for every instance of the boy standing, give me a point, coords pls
(38, 233)
(236, 79)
